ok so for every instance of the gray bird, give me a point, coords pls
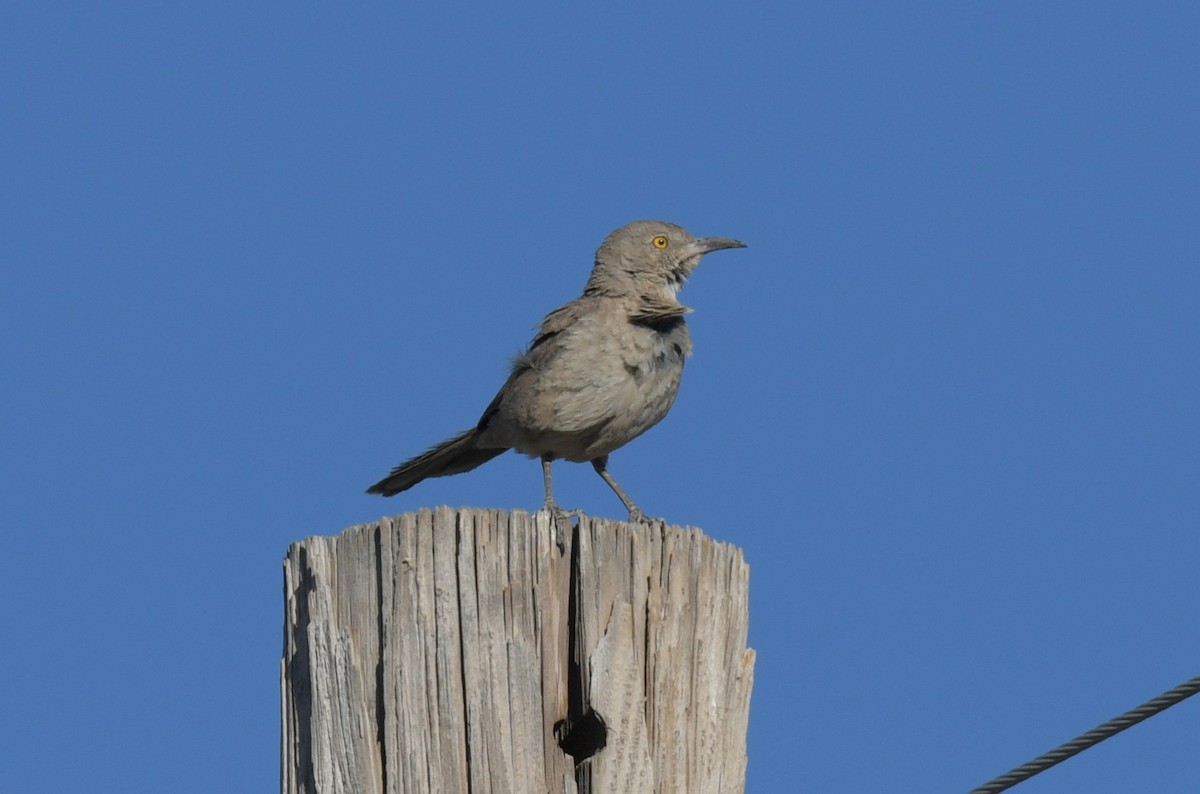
(602, 370)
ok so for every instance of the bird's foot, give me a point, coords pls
(562, 522)
(638, 517)
(558, 512)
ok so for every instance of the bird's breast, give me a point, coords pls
(607, 381)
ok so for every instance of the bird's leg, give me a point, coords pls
(551, 505)
(600, 464)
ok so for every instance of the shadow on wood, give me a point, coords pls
(481, 650)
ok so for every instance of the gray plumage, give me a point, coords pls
(602, 370)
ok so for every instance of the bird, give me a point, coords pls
(600, 370)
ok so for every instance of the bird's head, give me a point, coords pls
(651, 255)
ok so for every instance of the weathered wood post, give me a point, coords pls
(480, 650)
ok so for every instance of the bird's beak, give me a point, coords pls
(706, 245)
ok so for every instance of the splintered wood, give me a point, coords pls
(480, 650)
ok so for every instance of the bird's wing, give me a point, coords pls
(538, 353)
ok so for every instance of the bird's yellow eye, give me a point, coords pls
(661, 241)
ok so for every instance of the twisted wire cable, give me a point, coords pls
(1091, 738)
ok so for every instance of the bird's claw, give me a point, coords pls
(638, 517)
(559, 512)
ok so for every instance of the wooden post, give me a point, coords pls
(480, 650)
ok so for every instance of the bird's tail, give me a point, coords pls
(452, 456)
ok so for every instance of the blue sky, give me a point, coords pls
(254, 255)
